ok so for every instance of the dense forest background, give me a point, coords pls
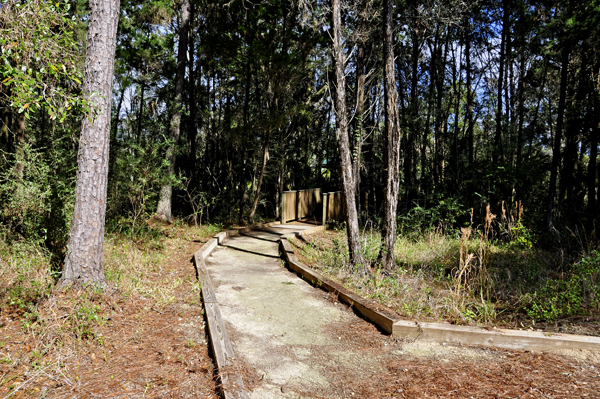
(498, 104)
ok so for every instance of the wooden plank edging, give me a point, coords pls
(496, 338)
(231, 380)
(441, 332)
(382, 321)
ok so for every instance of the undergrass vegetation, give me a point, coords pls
(491, 274)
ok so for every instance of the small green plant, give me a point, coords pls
(578, 294)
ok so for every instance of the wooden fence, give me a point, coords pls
(311, 204)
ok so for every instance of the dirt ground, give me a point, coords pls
(140, 350)
(428, 370)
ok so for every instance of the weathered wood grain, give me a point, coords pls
(208, 290)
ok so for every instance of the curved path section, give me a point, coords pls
(292, 340)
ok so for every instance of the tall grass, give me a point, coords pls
(488, 273)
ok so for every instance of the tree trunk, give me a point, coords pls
(557, 138)
(360, 101)
(392, 133)
(141, 112)
(348, 185)
(192, 126)
(469, 83)
(592, 164)
(83, 262)
(260, 178)
(163, 211)
(19, 144)
(498, 148)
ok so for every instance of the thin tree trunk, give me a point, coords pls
(113, 134)
(498, 148)
(392, 133)
(19, 146)
(592, 166)
(348, 185)
(140, 112)
(83, 262)
(557, 138)
(360, 101)
(192, 126)
(261, 176)
(164, 204)
(521, 113)
(412, 131)
(470, 104)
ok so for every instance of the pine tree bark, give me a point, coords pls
(163, 211)
(392, 132)
(348, 185)
(83, 262)
(192, 125)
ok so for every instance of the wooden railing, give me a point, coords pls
(311, 204)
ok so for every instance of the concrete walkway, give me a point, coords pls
(292, 341)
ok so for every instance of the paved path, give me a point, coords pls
(292, 340)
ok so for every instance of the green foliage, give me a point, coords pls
(40, 59)
(36, 203)
(521, 236)
(24, 198)
(134, 188)
(576, 295)
(443, 215)
(25, 278)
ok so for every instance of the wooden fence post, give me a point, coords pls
(282, 208)
(325, 203)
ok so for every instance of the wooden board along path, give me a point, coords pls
(231, 380)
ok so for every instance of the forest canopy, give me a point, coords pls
(497, 104)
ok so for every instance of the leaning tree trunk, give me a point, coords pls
(163, 211)
(348, 186)
(393, 143)
(83, 263)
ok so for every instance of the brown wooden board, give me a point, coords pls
(207, 248)
(496, 338)
(231, 380)
(233, 386)
(208, 291)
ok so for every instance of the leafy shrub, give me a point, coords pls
(578, 294)
(444, 215)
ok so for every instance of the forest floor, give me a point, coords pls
(144, 340)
